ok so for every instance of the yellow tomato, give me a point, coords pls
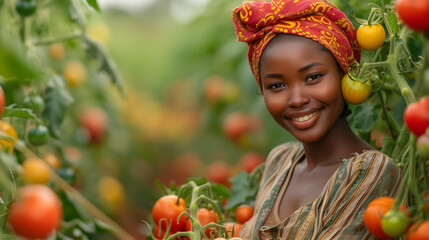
(35, 171)
(371, 37)
(75, 73)
(354, 91)
(56, 51)
(111, 191)
(52, 160)
(7, 128)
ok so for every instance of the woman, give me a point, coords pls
(319, 186)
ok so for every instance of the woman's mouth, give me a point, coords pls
(306, 121)
(305, 118)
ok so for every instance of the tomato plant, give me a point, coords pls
(36, 213)
(416, 116)
(35, 171)
(169, 207)
(354, 91)
(414, 13)
(35, 102)
(371, 37)
(243, 213)
(204, 216)
(38, 135)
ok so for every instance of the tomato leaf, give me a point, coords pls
(93, 4)
(363, 117)
(393, 22)
(11, 111)
(388, 145)
(243, 191)
(57, 101)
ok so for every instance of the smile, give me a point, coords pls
(305, 118)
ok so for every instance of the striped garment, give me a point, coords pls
(337, 213)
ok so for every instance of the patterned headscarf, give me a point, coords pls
(258, 22)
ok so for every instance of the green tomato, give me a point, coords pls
(26, 8)
(395, 223)
(38, 135)
(35, 102)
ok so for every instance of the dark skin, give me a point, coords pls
(301, 88)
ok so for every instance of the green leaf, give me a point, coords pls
(388, 145)
(243, 192)
(363, 117)
(93, 4)
(393, 22)
(10, 111)
(57, 100)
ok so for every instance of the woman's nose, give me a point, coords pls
(298, 97)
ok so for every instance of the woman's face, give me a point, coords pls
(301, 87)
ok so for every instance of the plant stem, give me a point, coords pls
(391, 123)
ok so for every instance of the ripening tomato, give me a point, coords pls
(94, 121)
(355, 91)
(250, 160)
(35, 170)
(418, 231)
(416, 116)
(75, 73)
(218, 172)
(36, 212)
(238, 124)
(395, 223)
(56, 50)
(169, 207)
(111, 191)
(205, 216)
(233, 227)
(38, 135)
(2, 101)
(52, 160)
(7, 128)
(243, 213)
(371, 37)
(422, 145)
(414, 13)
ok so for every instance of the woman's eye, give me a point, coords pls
(313, 77)
(275, 85)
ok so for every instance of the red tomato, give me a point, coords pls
(36, 213)
(418, 231)
(237, 124)
(169, 208)
(233, 226)
(2, 101)
(94, 121)
(205, 217)
(218, 172)
(251, 160)
(414, 13)
(416, 116)
(243, 213)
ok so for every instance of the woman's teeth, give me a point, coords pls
(305, 118)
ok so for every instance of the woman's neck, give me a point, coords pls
(338, 144)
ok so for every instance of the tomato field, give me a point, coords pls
(115, 124)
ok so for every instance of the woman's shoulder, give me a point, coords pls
(288, 148)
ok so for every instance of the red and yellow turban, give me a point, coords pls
(258, 22)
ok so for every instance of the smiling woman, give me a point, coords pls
(317, 187)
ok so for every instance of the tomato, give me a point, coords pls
(75, 73)
(416, 116)
(36, 212)
(418, 231)
(26, 8)
(354, 91)
(414, 13)
(169, 207)
(8, 129)
(204, 216)
(233, 226)
(218, 172)
(56, 51)
(423, 145)
(35, 170)
(251, 160)
(237, 124)
(38, 135)
(52, 160)
(35, 102)
(94, 121)
(243, 213)
(111, 191)
(2, 101)
(395, 223)
(374, 213)
(370, 37)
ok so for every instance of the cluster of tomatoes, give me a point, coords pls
(170, 215)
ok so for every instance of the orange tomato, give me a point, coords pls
(35, 170)
(169, 207)
(205, 216)
(75, 73)
(218, 172)
(418, 231)
(243, 213)
(230, 226)
(56, 51)
(52, 160)
(251, 160)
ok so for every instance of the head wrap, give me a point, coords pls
(258, 22)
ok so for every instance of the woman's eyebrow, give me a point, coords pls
(272, 75)
(306, 67)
